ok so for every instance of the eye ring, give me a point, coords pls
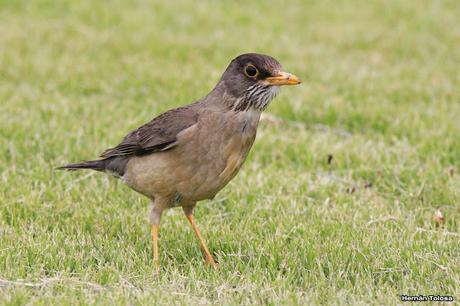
(251, 71)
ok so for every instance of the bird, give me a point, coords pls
(188, 154)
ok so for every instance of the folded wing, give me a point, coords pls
(156, 135)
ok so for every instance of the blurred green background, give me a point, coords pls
(381, 95)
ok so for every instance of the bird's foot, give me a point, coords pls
(212, 263)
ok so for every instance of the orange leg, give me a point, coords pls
(155, 246)
(155, 215)
(209, 259)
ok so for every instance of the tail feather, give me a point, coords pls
(98, 165)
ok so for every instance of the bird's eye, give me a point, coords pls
(251, 71)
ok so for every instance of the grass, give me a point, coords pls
(381, 95)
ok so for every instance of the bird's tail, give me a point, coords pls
(98, 165)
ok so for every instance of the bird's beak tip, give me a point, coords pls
(284, 78)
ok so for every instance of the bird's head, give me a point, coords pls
(253, 80)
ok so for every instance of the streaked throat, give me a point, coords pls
(257, 97)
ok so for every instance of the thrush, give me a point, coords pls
(190, 153)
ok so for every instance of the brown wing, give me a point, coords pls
(157, 135)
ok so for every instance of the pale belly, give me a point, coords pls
(198, 167)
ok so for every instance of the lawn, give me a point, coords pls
(335, 203)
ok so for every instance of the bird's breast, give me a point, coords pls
(221, 148)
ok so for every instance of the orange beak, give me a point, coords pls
(283, 78)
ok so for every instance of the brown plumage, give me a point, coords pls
(190, 153)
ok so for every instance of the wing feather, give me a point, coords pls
(157, 135)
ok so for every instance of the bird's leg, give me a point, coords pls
(155, 246)
(188, 210)
(155, 216)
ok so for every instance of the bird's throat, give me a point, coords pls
(257, 97)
